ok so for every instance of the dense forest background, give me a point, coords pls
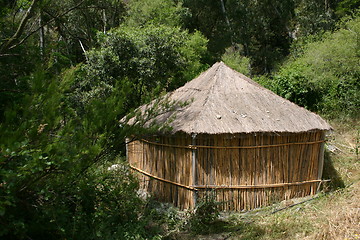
(70, 70)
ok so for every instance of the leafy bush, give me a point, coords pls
(143, 12)
(324, 76)
(233, 58)
(206, 213)
(52, 180)
(141, 62)
(64, 127)
(295, 87)
(98, 204)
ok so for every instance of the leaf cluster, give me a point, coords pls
(324, 75)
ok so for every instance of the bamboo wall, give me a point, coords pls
(246, 170)
(170, 163)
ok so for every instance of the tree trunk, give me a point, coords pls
(41, 36)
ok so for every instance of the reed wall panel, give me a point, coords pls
(219, 162)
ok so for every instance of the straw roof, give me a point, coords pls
(222, 100)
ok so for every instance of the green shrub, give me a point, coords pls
(324, 75)
(233, 58)
(100, 204)
(294, 86)
(206, 213)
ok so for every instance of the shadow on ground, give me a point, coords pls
(224, 230)
(332, 174)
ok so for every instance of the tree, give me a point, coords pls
(346, 7)
(323, 80)
(208, 18)
(313, 17)
(260, 28)
(55, 34)
(75, 32)
(144, 12)
(144, 61)
(63, 131)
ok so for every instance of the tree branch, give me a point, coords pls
(9, 54)
(20, 29)
(43, 25)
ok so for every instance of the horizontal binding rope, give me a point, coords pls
(163, 180)
(232, 147)
(274, 185)
(168, 145)
(196, 188)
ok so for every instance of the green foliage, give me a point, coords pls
(292, 85)
(53, 152)
(325, 76)
(205, 214)
(64, 128)
(312, 17)
(261, 27)
(208, 18)
(156, 12)
(78, 28)
(164, 219)
(142, 62)
(346, 6)
(235, 60)
(95, 205)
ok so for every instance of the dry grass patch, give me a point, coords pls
(339, 217)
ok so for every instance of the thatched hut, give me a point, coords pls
(233, 137)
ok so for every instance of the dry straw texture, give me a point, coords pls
(222, 100)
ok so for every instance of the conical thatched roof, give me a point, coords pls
(222, 100)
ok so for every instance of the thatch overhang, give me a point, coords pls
(224, 101)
